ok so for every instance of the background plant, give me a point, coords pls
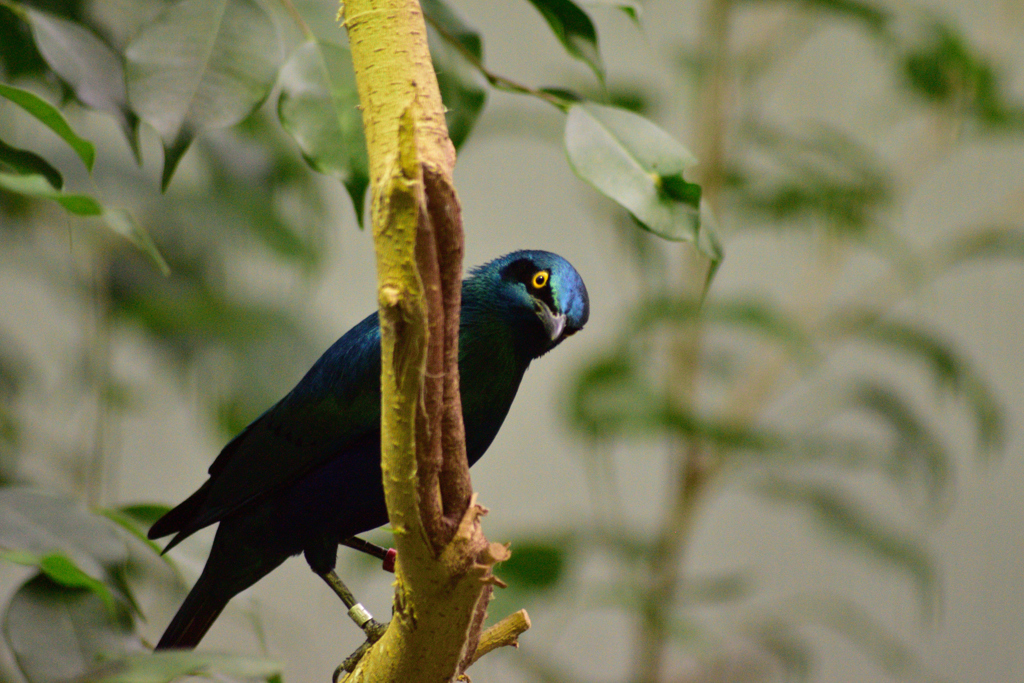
(818, 395)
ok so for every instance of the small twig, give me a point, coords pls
(496, 80)
(97, 470)
(307, 33)
(505, 632)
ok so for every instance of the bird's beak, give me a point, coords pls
(554, 323)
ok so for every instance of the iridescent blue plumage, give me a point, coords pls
(306, 474)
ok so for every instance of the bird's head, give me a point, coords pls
(542, 294)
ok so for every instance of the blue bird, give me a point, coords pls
(306, 475)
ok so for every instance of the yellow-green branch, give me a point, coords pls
(443, 573)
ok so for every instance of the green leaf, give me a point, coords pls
(119, 221)
(43, 525)
(536, 565)
(947, 70)
(820, 177)
(610, 396)
(870, 15)
(917, 451)
(23, 162)
(57, 635)
(50, 116)
(752, 316)
(718, 588)
(631, 8)
(93, 70)
(574, 30)
(986, 243)
(849, 522)
(319, 107)
(201, 64)
(786, 645)
(119, 21)
(630, 160)
(708, 244)
(63, 571)
(38, 186)
(131, 524)
(145, 558)
(951, 371)
(166, 666)
(74, 548)
(566, 95)
(874, 18)
(18, 52)
(145, 514)
(860, 628)
(124, 224)
(618, 395)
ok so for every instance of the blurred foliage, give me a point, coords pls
(537, 565)
(735, 385)
(945, 70)
(247, 124)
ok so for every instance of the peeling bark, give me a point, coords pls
(444, 568)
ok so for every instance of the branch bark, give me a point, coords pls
(443, 573)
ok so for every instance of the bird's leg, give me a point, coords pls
(385, 555)
(360, 615)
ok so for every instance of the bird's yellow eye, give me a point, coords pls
(540, 279)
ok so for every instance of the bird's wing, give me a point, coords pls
(334, 406)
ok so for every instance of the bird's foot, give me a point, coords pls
(361, 616)
(373, 630)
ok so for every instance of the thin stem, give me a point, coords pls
(666, 566)
(297, 18)
(495, 80)
(99, 371)
(698, 467)
(712, 122)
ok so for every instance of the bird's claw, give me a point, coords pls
(373, 630)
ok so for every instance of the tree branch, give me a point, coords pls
(505, 633)
(443, 572)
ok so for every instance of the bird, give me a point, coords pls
(306, 474)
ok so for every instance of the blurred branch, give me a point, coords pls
(695, 469)
(666, 571)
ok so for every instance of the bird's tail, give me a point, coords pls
(196, 615)
(240, 557)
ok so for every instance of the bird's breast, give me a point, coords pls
(488, 386)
